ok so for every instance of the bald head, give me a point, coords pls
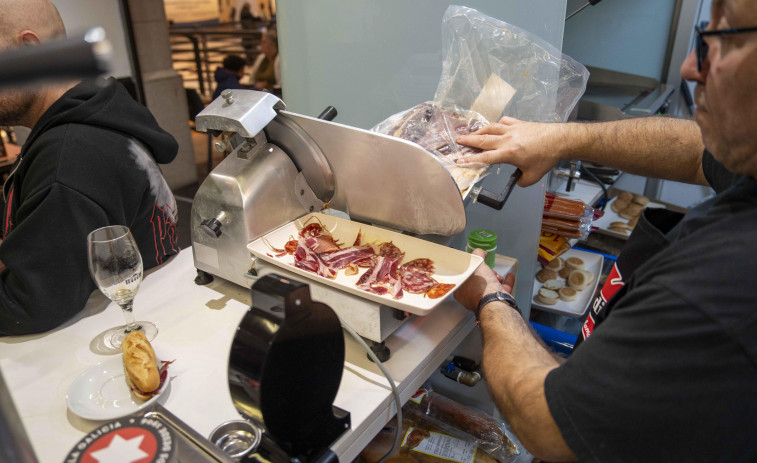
(37, 16)
(29, 23)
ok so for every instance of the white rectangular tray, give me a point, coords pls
(610, 216)
(450, 265)
(593, 263)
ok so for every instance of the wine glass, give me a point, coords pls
(116, 266)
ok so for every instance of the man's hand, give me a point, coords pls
(483, 281)
(534, 147)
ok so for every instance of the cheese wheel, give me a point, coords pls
(574, 262)
(568, 294)
(554, 285)
(580, 279)
(631, 211)
(556, 264)
(619, 225)
(589, 276)
(626, 196)
(622, 230)
(640, 199)
(546, 274)
(547, 296)
(618, 205)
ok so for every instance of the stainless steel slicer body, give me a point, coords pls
(285, 165)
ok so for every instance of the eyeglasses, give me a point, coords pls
(701, 46)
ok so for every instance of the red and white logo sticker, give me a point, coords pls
(130, 440)
(126, 445)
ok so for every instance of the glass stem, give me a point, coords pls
(126, 308)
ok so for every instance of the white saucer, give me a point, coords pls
(101, 393)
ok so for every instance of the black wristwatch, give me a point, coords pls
(496, 296)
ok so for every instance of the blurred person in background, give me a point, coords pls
(249, 22)
(266, 70)
(228, 75)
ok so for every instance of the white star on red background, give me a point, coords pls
(121, 450)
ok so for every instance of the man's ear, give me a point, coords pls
(28, 38)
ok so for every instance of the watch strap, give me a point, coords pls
(496, 296)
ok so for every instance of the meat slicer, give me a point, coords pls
(284, 165)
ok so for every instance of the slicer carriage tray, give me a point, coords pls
(451, 266)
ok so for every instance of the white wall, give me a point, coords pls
(81, 15)
(624, 36)
(371, 59)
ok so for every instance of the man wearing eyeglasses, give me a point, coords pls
(668, 371)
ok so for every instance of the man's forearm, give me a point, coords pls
(659, 147)
(516, 365)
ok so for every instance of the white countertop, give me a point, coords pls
(196, 326)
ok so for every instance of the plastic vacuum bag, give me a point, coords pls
(444, 413)
(490, 69)
(436, 429)
(568, 217)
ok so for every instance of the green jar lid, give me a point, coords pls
(482, 237)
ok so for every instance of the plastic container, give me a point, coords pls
(486, 240)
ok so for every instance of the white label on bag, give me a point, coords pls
(445, 447)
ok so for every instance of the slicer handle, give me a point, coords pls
(328, 114)
(497, 201)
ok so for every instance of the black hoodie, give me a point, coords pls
(88, 162)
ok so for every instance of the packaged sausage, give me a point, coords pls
(578, 229)
(569, 209)
(436, 429)
(568, 217)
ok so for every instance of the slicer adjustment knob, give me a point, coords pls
(228, 96)
(211, 227)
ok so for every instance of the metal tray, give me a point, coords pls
(191, 447)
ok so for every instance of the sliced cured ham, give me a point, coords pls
(306, 259)
(322, 243)
(367, 262)
(382, 277)
(311, 230)
(341, 258)
(435, 129)
(290, 246)
(317, 251)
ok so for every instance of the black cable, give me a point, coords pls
(595, 179)
(590, 2)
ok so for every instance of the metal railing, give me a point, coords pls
(197, 51)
